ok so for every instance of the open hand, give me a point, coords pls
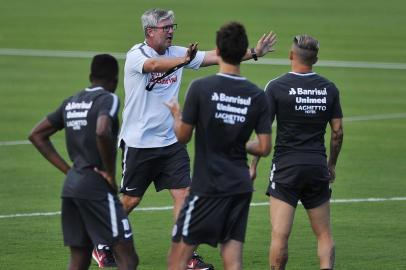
(191, 52)
(266, 44)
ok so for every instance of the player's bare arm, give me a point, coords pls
(258, 147)
(40, 138)
(182, 130)
(163, 64)
(336, 141)
(106, 147)
(261, 146)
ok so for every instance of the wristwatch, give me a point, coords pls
(254, 54)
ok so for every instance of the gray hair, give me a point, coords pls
(307, 49)
(152, 17)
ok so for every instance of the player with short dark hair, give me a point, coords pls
(225, 109)
(303, 103)
(91, 210)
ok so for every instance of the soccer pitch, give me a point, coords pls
(45, 52)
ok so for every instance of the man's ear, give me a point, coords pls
(217, 51)
(291, 55)
(148, 32)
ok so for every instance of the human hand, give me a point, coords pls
(173, 106)
(108, 177)
(253, 167)
(191, 52)
(266, 44)
(253, 172)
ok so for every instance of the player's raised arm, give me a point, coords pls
(264, 45)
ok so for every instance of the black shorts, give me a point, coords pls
(307, 183)
(92, 222)
(212, 220)
(168, 167)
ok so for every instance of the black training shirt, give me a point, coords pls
(303, 105)
(225, 110)
(78, 116)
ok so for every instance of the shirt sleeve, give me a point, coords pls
(264, 122)
(191, 107)
(197, 61)
(336, 109)
(56, 117)
(135, 60)
(109, 105)
(270, 95)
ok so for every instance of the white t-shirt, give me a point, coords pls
(147, 122)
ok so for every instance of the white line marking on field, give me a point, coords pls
(52, 53)
(375, 117)
(165, 208)
(333, 63)
(263, 61)
(346, 119)
(6, 143)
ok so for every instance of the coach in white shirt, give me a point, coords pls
(151, 151)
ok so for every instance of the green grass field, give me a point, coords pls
(369, 235)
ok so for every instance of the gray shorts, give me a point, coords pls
(91, 222)
(167, 167)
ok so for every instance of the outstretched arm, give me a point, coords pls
(336, 140)
(40, 138)
(264, 45)
(163, 64)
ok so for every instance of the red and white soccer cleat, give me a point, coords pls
(197, 263)
(104, 256)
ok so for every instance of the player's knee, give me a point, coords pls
(130, 202)
(325, 236)
(280, 235)
(179, 194)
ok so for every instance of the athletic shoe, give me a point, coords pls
(103, 256)
(197, 263)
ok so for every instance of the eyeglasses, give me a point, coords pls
(307, 43)
(166, 28)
